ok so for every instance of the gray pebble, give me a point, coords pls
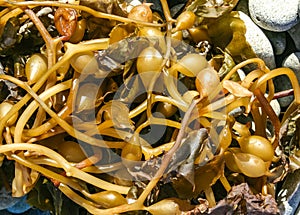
(243, 6)
(294, 32)
(278, 41)
(289, 195)
(293, 62)
(282, 83)
(258, 41)
(5, 212)
(274, 15)
(6, 199)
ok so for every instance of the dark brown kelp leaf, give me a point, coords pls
(182, 163)
(201, 208)
(111, 7)
(98, 27)
(187, 153)
(114, 58)
(4, 91)
(204, 177)
(242, 201)
(9, 33)
(8, 89)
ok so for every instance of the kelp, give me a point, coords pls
(142, 115)
(228, 33)
(211, 8)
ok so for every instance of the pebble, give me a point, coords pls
(275, 106)
(278, 41)
(243, 6)
(5, 212)
(274, 15)
(6, 200)
(294, 32)
(20, 207)
(258, 41)
(31, 211)
(293, 62)
(289, 195)
(282, 83)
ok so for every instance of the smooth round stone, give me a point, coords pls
(293, 62)
(242, 5)
(258, 41)
(20, 207)
(282, 83)
(289, 195)
(278, 41)
(37, 212)
(274, 15)
(5, 212)
(294, 32)
(6, 200)
(275, 106)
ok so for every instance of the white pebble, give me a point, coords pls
(274, 15)
(258, 41)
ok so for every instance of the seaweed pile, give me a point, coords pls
(156, 108)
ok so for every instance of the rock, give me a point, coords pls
(298, 210)
(289, 195)
(274, 15)
(37, 212)
(293, 62)
(258, 41)
(243, 6)
(6, 199)
(294, 32)
(20, 207)
(278, 41)
(282, 83)
(275, 106)
(4, 212)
